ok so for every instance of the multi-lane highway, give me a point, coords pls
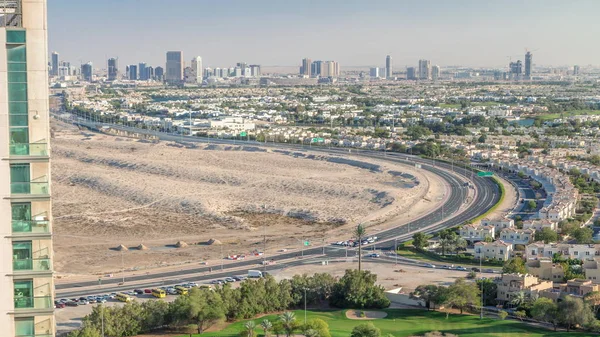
(453, 212)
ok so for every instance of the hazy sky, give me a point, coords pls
(355, 33)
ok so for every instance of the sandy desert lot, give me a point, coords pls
(110, 191)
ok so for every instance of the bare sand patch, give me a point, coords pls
(365, 314)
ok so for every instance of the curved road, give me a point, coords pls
(450, 214)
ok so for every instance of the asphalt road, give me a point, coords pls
(450, 214)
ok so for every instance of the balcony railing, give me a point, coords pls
(36, 335)
(31, 265)
(32, 187)
(31, 226)
(30, 149)
(38, 302)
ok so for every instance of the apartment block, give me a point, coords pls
(26, 304)
(511, 284)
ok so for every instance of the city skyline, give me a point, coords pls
(503, 30)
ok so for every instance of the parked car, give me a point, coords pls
(445, 267)
(112, 296)
(429, 265)
(477, 270)
(100, 299)
(239, 278)
(138, 291)
(91, 299)
(59, 304)
(193, 284)
(373, 255)
(83, 301)
(131, 293)
(216, 282)
(64, 300)
(71, 304)
(461, 268)
(229, 279)
(171, 291)
(147, 291)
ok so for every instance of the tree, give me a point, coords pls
(266, 325)
(502, 314)
(531, 205)
(86, 331)
(547, 235)
(319, 326)
(462, 294)
(201, 306)
(420, 240)
(357, 289)
(359, 233)
(545, 310)
(514, 265)
(574, 312)
(428, 293)
(593, 300)
(288, 321)
(520, 314)
(365, 330)
(249, 329)
(490, 290)
(583, 235)
(447, 239)
(518, 299)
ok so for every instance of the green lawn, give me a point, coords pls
(412, 322)
(569, 113)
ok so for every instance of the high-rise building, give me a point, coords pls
(254, 70)
(197, 69)
(26, 252)
(374, 72)
(87, 71)
(327, 69)
(411, 73)
(388, 67)
(142, 71)
(315, 68)
(435, 72)
(113, 69)
(424, 69)
(55, 64)
(149, 72)
(306, 67)
(516, 69)
(528, 60)
(159, 73)
(133, 72)
(174, 67)
(576, 70)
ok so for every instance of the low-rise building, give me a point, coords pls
(584, 252)
(476, 232)
(510, 284)
(592, 270)
(545, 269)
(539, 224)
(500, 223)
(517, 236)
(497, 250)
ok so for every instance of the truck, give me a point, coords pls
(255, 274)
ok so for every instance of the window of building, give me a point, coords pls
(20, 178)
(24, 326)
(22, 255)
(23, 294)
(15, 36)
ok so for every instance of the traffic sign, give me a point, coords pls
(243, 134)
(99, 281)
(485, 174)
(307, 243)
(317, 140)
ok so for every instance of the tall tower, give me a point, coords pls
(26, 300)
(133, 72)
(174, 67)
(388, 67)
(197, 69)
(528, 60)
(55, 64)
(87, 71)
(305, 69)
(142, 71)
(113, 69)
(435, 72)
(424, 69)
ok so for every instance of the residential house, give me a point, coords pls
(510, 284)
(517, 236)
(497, 250)
(545, 269)
(499, 223)
(475, 232)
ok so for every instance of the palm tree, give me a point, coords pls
(266, 326)
(288, 319)
(518, 299)
(249, 328)
(359, 233)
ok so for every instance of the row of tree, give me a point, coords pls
(204, 307)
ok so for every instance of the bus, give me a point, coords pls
(123, 297)
(159, 293)
(181, 290)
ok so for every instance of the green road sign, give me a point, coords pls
(317, 140)
(243, 134)
(307, 243)
(485, 174)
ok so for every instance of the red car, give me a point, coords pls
(59, 305)
(147, 291)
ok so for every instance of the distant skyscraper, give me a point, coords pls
(328, 68)
(315, 68)
(197, 69)
(87, 71)
(435, 73)
(188, 75)
(528, 60)
(133, 72)
(575, 70)
(424, 69)
(306, 68)
(159, 73)
(255, 70)
(149, 72)
(55, 64)
(113, 69)
(174, 67)
(388, 67)
(516, 69)
(374, 72)
(411, 73)
(142, 71)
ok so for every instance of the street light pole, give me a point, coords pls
(305, 306)
(122, 267)
(481, 311)
(396, 249)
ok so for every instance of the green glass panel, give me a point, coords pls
(21, 211)
(19, 120)
(16, 54)
(17, 92)
(17, 66)
(23, 294)
(19, 135)
(15, 36)
(19, 173)
(17, 108)
(24, 326)
(17, 77)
